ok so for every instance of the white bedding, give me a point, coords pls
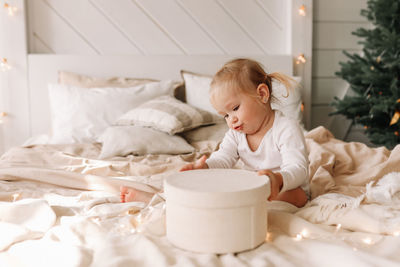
(60, 207)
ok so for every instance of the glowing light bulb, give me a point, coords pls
(302, 11)
(15, 196)
(269, 237)
(2, 115)
(11, 9)
(367, 241)
(304, 233)
(4, 66)
(301, 59)
(298, 237)
(96, 221)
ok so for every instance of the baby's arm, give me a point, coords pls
(295, 196)
(198, 164)
(291, 143)
(276, 181)
(227, 154)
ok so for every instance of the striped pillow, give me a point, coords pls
(167, 114)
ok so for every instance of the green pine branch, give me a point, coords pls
(374, 74)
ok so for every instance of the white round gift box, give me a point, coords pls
(216, 210)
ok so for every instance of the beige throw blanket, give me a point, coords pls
(342, 167)
(335, 166)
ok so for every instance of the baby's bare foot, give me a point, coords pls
(129, 194)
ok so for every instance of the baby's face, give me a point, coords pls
(242, 112)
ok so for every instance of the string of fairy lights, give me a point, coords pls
(12, 11)
(5, 66)
(301, 59)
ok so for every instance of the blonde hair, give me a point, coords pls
(243, 75)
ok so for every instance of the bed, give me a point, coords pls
(59, 191)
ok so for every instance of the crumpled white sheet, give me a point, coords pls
(25, 219)
(92, 228)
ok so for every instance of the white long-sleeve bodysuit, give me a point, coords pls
(282, 149)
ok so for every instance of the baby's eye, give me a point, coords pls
(226, 116)
(235, 108)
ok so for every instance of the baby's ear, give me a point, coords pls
(263, 92)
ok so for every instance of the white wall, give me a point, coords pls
(333, 22)
(14, 93)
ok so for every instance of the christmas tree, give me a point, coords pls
(374, 75)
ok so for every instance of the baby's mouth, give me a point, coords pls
(239, 128)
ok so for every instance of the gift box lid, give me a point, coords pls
(216, 188)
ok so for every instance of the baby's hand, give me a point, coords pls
(198, 164)
(276, 182)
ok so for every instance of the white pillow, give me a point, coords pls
(197, 89)
(169, 115)
(137, 140)
(80, 115)
(86, 81)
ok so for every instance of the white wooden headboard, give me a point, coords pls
(43, 70)
(140, 37)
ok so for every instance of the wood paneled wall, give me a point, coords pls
(333, 22)
(154, 27)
